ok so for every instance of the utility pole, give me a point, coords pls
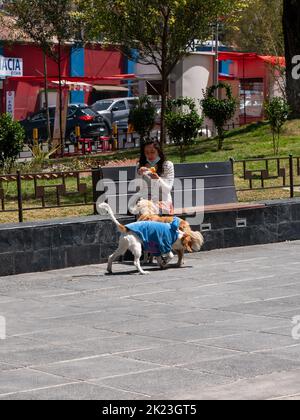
(216, 62)
(216, 67)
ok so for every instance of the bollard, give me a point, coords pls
(20, 200)
(78, 135)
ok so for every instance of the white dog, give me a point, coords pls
(132, 242)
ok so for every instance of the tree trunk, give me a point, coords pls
(47, 100)
(164, 94)
(62, 146)
(221, 137)
(291, 25)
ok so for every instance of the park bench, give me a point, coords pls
(218, 185)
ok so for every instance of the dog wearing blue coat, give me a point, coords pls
(156, 238)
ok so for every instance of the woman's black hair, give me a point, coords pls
(144, 161)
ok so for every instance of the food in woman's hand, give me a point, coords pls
(153, 170)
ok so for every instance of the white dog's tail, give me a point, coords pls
(104, 209)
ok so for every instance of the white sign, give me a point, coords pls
(10, 103)
(11, 66)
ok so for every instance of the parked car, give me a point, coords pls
(91, 124)
(114, 111)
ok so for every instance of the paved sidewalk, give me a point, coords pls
(219, 328)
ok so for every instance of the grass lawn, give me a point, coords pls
(249, 142)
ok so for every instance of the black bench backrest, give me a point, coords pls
(218, 181)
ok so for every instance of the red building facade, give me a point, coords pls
(91, 61)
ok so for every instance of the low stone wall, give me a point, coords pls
(42, 246)
(278, 221)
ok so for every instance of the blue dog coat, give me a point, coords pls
(158, 238)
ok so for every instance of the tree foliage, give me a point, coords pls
(12, 138)
(142, 117)
(220, 111)
(50, 24)
(161, 31)
(45, 22)
(183, 123)
(277, 111)
(259, 28)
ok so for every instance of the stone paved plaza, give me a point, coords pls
(219, 328)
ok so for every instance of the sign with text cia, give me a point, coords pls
(11, 66)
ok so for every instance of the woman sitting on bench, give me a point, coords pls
(159, 175)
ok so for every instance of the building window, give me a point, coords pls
(251, 99)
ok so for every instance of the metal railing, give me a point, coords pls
(20, 193)
(268, 174)
(39, 191)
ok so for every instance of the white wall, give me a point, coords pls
(147, 72)
(193, 75)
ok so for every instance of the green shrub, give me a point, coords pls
(142, 117)
(183, 123)
(277, 111)
(12, 138)
(220, 111)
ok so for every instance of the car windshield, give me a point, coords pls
(88, 111)
(102, 105)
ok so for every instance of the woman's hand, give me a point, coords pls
(154, 176)
(143, 170)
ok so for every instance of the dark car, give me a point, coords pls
(91, 124)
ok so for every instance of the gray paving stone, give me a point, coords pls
(5, 366)
(197, 332)
(220, 328)
(76, 391)
(164, 382)
(42, 353)
(204, 316)
(143, 326)
(26, 379)
(245, 366)
(290, 353)
(120, 344)
(96, 367)
(63, 337)
(258, 323)
(262, 308)
(265, 387)
(178, 354)
(250, 342)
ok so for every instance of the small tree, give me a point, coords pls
(220, 111)
(183, 123)
(142, 117)
(277, 111)
(12, 138)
